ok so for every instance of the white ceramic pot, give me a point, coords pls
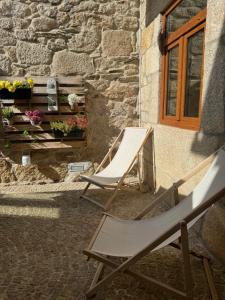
(35, 124)
(26, 160)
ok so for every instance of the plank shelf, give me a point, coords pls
(41, 137)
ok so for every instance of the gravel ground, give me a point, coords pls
(43, 230)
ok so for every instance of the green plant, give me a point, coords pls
(7, 144)
(62, 98)
(61, 126)
(7, 112)
(26, 133)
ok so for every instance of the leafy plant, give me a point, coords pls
(7, 112)
(7, 144)
(61, 126)
(62, 98)
(26, 133)
(71, 124)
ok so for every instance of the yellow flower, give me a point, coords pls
(7, 84)
(2, 84)
(30, 82)
(11, 88)
(17, 83)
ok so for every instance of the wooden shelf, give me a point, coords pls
(40, 137)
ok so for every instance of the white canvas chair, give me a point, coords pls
(113, 175)
(133, 239)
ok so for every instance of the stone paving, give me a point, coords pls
(43, 230)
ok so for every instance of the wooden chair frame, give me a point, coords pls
(115, 187)
(184, 247)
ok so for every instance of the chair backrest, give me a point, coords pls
(132, 141)
(212, 183)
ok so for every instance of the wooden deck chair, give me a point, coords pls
(133, 239)
(113, 175)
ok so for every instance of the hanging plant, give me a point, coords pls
(35, 116)
(7, 115)
(74, 100)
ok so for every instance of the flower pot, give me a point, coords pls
(8, 122)
(35, 124)
(74, 106)
(77, 133)
(20, 93)
(57, 134)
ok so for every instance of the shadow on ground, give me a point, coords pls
(42, 237)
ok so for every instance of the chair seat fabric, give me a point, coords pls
(131, 143)
(124, 238)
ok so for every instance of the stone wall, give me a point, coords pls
(95, 39)
(176, 151)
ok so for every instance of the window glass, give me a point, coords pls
(193, 74)
(172, 81)
(182, 13)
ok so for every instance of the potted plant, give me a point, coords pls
(60, 129)
(81, 125)
(7, 114)
(17, 89)
(74, 100)
(35, 116)
(73, 127)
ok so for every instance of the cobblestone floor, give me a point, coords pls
(43, 230)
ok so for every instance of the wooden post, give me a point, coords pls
(186, 259)
(175, 194)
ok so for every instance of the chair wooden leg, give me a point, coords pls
(209, 277)
(85, 189)
(108, 203)
(186, 259)
(139, 172)
(98, 274)
(152, 283)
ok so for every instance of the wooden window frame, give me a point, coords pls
(180, 37)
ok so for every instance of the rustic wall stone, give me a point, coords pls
(117, 43)
(43, 24)
(69, 63)
(5, 66)
(33, 54)
(7, 38)
(93, 38)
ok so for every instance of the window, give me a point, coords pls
(183, 53)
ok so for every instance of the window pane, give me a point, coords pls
(172, 82)
(193, 74)
(181, 14)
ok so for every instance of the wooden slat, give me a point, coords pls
(39, 99)
(35, 136)
(49, 145)
(47, 118)
(62, 109)
(76, 80)
(27, 127)
(61, 90)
